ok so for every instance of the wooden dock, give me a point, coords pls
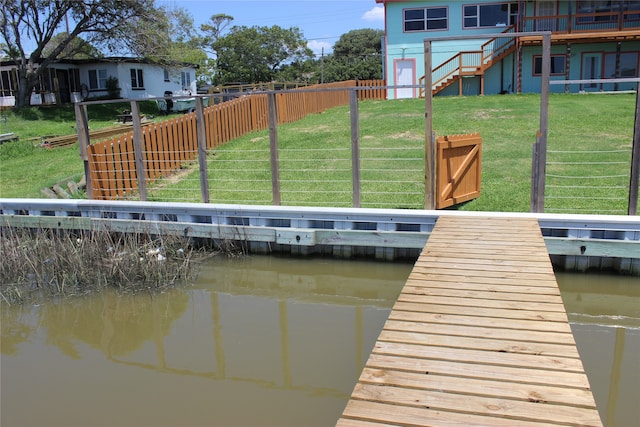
(478, 337)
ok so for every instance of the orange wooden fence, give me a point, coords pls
(170, 144)
(459, 167)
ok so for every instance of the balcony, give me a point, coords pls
(581, 23)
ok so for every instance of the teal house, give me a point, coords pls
(590, 40)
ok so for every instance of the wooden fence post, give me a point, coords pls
(635, 162)
(537, 190)
(82, 125)
(201, 136)
(429, 140)
(273, 140)
(138, 150)
(355, 146)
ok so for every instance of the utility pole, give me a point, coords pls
(322, 66)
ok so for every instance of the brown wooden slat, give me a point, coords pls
(501, 345)
(535, 393)
(570, 381)
(414, 416)
(489, 322)
(480, 405)
(494, 333)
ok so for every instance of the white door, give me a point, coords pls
(546, 8)
(591, 70)
(405, 75)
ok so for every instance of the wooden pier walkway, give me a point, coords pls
(478, 337)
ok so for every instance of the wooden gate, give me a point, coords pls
(458, 169)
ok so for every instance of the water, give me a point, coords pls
(258, 341)
(604, 312)
(262, 341)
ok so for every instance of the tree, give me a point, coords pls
(75, 49)
(211, 32)
(356, 55)
(257, 54)
(99, 22)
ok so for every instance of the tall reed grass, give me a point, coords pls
(40, 264)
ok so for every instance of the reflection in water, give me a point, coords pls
(257, 341)
(604, 312)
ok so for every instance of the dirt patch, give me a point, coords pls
(489, 114)
(408, 135)
(319, 128)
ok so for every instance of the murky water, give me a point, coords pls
(258, 341)
(604, 312)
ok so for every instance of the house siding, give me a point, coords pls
(514, 73)
(153, 75)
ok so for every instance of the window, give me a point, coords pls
(628, 65)
(426, 19)
(6, 80)
(137, 82)
(558, 65)
(97, 79)
(185, 79)
(606, 6)
(604, 10)
(166, 75)
(490, 15)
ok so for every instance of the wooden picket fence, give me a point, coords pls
(170, 145)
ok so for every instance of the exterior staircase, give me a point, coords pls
(470, 63)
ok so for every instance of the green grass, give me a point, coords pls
(315, 162)
(26, 167)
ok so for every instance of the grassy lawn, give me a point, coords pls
(315, 162)
(26, 167)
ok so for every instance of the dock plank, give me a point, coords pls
(478, 336)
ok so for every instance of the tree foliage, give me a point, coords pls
(26, 23)
(75, 49)
(258, 54)
(356, 55)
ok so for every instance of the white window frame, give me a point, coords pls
(425, 20)
(185, 79)
(99, 79)
(137, 78)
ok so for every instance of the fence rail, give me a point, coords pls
(169, 145)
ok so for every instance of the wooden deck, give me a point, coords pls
(478, 337)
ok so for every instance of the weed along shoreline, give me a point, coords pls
(41, 264)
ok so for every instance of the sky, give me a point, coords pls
(321, 22)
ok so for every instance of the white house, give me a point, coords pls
(64, 82)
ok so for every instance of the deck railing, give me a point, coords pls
(584, 22)
(469, 62)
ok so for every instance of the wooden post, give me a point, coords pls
(537, 193)
(355, 146)
(202, 150)
(138, 150)
(82, 125)
(635, 162)
(273, 140)
(534, 176)
(429, 140)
